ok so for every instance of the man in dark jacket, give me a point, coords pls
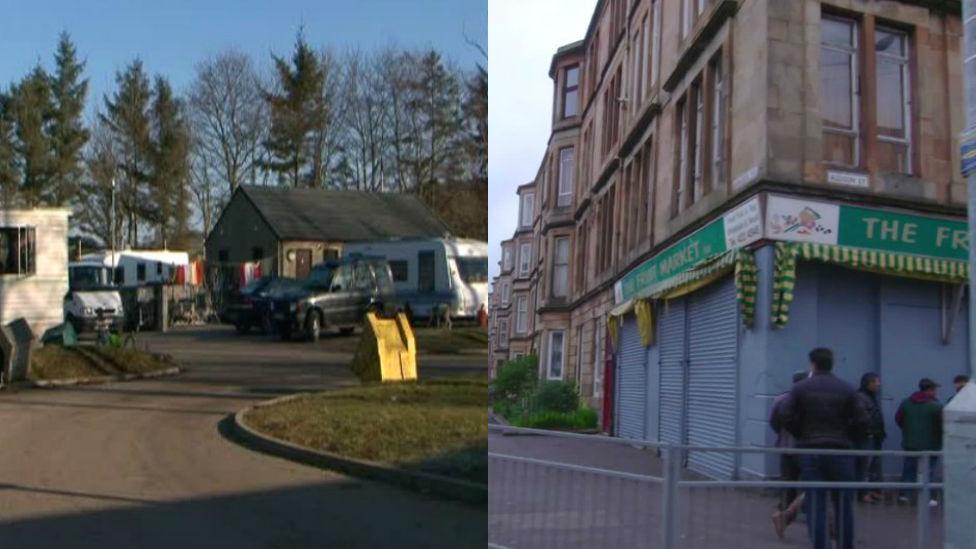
(824, 412)
(869, 467)
(920, 419)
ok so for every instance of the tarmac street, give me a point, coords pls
(149, 463)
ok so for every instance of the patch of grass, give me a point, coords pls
(132, 361)
(438, 426)
(454, 341)
(57, 362)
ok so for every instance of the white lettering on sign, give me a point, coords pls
(850, 179)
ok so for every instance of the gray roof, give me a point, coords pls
(317, 214)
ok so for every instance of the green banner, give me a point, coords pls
(903, 233)
(707, 241)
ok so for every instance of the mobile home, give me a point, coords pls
(434, 271)
(140, 267)
(33, 266)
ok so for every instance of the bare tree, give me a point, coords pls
(229, 117)
(101, 162)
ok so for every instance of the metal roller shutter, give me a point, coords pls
(671, 339)
(632, 382)
(712, 351)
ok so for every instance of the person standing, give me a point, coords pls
(920, 419)
(789, 464)
(959, 382)
(869, 467)
(824, 412)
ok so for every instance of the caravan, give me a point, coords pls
(432, 272)
(140, 267)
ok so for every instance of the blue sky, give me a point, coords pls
(520, 104)
(170, 36)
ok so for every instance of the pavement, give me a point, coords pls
(150, 463)
(538, 506)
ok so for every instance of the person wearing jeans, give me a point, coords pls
(824, 412)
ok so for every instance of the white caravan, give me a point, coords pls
(140, 267)
(437, 271)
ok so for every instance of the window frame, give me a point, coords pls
(562, 355)
(566, 177)
(567, 89)
(854, 52)
(503, 334)
(526, 207)
(905, 64)
(24, 245)
(406, 270)
(560, 267)
(525, 259)
(521, 314)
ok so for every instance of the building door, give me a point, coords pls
(631, 382)
(303, 263)
(712, 373)
(671, 399)
(425, 272)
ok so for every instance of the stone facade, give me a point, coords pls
(682, 115)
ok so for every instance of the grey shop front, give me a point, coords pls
(701, 349)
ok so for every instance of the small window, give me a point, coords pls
(521, 314)
(141, 272)
(507, 258)
(566, 164)
(399, 270)
(525, 259)
(503, 333)
(159, 268)
(527, 207)
(556, 354)
(17, 251)
(560, 268)
(571, 91)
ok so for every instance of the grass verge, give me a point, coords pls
(438, 426)
(57, 362)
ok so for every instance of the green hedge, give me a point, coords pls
(583, 418)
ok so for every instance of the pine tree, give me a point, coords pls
(32, 112)
(9, 165)
(67, 131)
(298, 110)
(127, 117)
(169, 162)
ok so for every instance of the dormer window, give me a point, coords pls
(570, 91)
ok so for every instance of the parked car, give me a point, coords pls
(250, 307)
(336, 294)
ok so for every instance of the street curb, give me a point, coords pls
(50, 383)
(469, 492)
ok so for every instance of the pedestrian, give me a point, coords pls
(789, 464)
(824, 412)
(959, 382)
(869, 467)
(920, 419)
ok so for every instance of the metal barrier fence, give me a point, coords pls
(567, 503)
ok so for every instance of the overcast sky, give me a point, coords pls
(522, 37)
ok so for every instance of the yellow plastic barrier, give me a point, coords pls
(387, 351)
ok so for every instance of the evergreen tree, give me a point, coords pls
(67, 131)
(32, 112)
(298, 110)
(9, 167)
(127, 117)
(169, 163)
(476, 111)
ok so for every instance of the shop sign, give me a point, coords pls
(738, 227)
(811, 221)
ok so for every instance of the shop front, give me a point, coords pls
(701, 354)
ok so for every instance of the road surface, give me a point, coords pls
(146, 464)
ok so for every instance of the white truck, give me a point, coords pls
(92, 297)
(434, 272)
